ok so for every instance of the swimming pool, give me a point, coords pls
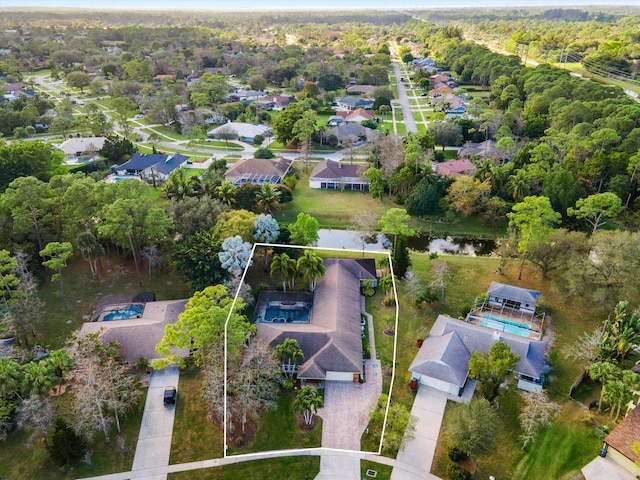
(508, 322)
(523, 332)
(125, 312)
(277, 314)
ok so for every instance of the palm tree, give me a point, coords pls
(311, 268)
(268, 197)
(290, 354)
(11, 374)
(518, 185)
(227, 193)
(284, 266)
(178, 186)
(617, 393)
(386, 283)
(307, 403)
(603, 372)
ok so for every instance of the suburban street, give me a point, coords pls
(403, 98)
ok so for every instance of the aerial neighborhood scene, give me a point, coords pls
(335, 242)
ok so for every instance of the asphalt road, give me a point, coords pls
(403, 98)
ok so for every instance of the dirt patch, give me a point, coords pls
(389, 332)
(469, 465)
(303, 426)
(239, 438)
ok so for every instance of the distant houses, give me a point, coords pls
(245, 132)
(352, 103)
(330, 175)
(350, 130)
(455, 168)
(258, 171)
(73, 148)
(151, 166)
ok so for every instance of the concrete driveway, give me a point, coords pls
(154, 440)
(418, 454)
(606, 469)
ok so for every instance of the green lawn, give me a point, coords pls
(194, 437)
(278, 430)
(383, 472)
(285, 468)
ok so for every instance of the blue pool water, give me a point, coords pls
(503, 327)
(125, 313)
(278, 315)
(508, 322)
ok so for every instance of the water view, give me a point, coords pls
(351, 240)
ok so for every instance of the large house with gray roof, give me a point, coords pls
(258, 171)
(443, 359)
(150, 166)
(331, 339)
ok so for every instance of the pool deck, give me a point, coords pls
(120, 306)
(510, 317)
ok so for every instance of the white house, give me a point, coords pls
(76, 147)
(330, 175)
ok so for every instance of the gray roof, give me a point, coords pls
(475, 338)
(445, 358)
(518, 294)
(138, 337)
(332, 340)
(350, 129)
(86, 144)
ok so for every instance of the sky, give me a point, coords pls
(297, 5)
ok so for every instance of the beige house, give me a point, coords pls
(621, 440)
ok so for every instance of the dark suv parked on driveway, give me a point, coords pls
(170, 395)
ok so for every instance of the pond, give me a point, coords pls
(350, 239)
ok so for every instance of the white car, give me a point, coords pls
(139, 116)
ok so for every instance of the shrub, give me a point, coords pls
(465, 310)
(263, 152)
(290, 182)
(456, 472)
(66, 446)
(286, 194)
(455, 454)
(142, 364)
(258, 139)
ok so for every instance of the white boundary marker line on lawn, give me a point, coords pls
(395, 345)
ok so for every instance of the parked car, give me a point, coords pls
(139, 116)
(170, 395)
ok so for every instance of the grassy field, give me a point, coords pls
(286, 468)
(334, 209)
(83, 294)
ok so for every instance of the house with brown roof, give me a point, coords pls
(138, 335)
(330, 175)
(358, 115)
(258, 171)
(486, 149)
(455, 168)
(331, 338)
(620, 442)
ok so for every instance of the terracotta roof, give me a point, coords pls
(455, 168)
(626, 434)
(328, 169)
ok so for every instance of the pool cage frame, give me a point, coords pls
(483, 305)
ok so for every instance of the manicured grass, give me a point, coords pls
(278, 430)
(217, 144)
(383, 472)
(285, 468)
(331, 208)
(194, 437)
(17, 460)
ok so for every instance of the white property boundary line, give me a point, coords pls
(395, 344)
